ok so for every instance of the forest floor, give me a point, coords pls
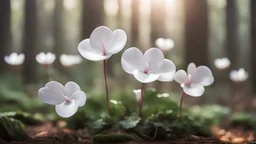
(49, 133)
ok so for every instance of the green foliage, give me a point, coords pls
(11, 129)
(80, 120)
(130, 122)
(113, 138)
(24, 117)
(246, 120)
(211, 114)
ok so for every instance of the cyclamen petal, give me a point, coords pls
(79, 97)
(181, 76)
(87, 52)
(155, 58)
(67, 110)
(132, 59)
(52, 93)
(203, 76)
(191, 68)
(71, 88)
(100, 39)
(194, 90)
(118, 41)
(145, 78)
(167, 71)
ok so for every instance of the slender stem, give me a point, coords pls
(141, 100)
(47, 72)
(106, 83)
(181, 101)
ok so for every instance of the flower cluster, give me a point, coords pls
(145, 67)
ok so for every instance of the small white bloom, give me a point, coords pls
(137, 93)
(163, 95)
(194, 80)
(69, 60)
(148, 67)
(66, 98)
(238, 75)
(103, 43)
(45, 58)
(14, 59)
(164, 44)
(222, 63)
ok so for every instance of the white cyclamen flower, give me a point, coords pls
(102, 44)
(239, 75)
(195, 79)
(69, 60)
(14, 59)
(148, 67)
(45, 58)
(137, 93)
(222, 63)
(66, 98)
(164, 44)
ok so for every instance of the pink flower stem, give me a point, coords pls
(47, 72)
(141, 100)
(181, 101)
(106, 83)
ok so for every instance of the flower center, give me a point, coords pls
(188, 81)
(104, 49)
(146, 69)
(67, 99)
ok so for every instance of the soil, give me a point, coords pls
(50, 133)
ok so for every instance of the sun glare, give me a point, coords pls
(70, 4)
(111, 7)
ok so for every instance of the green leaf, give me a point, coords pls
(13, 129)
(130, 122)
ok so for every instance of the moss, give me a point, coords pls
(24, 117)
(247, 121)
(113, 138)
(12, 129)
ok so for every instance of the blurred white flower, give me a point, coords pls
(164, 44)
(66, 98)
(14, 59)
(163, 95)
(137, 93)
(194, 80)
(222, 63)
(238, 75)
(103, 43)
(45, 58)
(148, 67)
(70, 60)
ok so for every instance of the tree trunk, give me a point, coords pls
(30, 41)
(58, 32)
(253, 44)
(5, 31)
(231, 37)
(157, 20)
(93, 16)
(196, 32)
(135, 21)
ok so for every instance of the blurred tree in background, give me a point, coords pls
(5, 31)
(196, 32)
(30, 41)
